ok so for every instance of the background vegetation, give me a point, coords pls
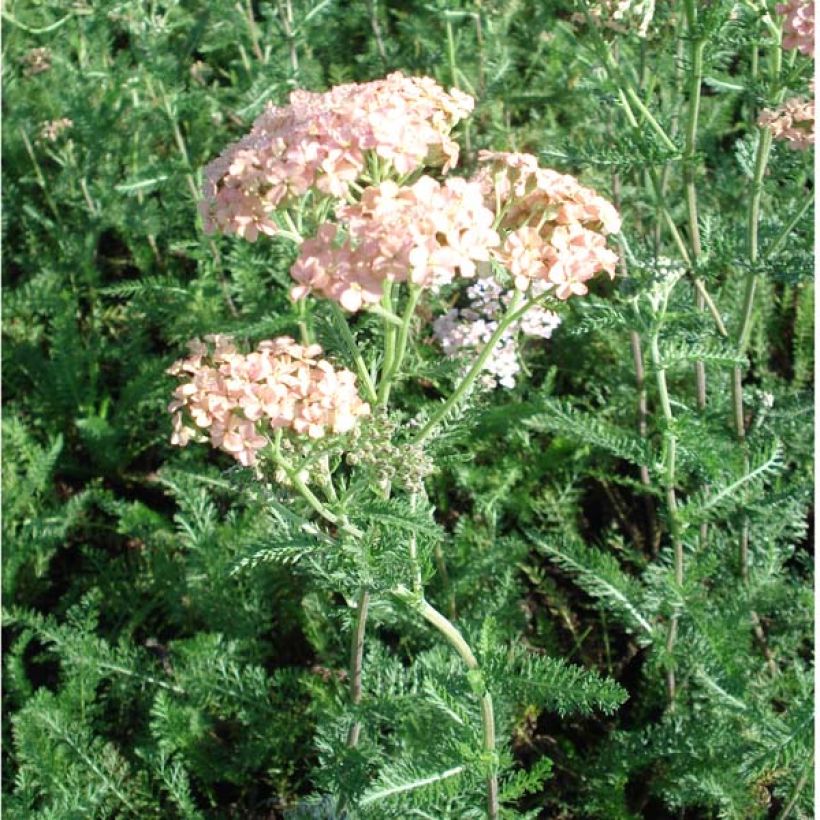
(157, 665)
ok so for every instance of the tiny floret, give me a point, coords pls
(792, 122)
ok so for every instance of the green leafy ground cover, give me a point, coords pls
(173, 649)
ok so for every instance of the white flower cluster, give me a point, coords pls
(470, 328)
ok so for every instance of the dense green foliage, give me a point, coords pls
(177, 633)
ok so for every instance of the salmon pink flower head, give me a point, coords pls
(322, 142)
(238, 399)
(792, 122)
(427, 234)
(798, 26)
(553, 228)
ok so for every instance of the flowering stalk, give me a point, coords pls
(401, 340)
(752, 223)
(456, 640)
(356, 653)
(670, 454)
(697, 44)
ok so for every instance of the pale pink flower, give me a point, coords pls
(427, 233)
(798, 25)
(554, 229)
(237, 399)
(322, 141)
(792, 122)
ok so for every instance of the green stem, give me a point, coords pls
(514, 312)
(356, 654)
(401, 342)
(313, 502)
(752, 226)
(340, 320)
(389, 350)
(670, 446)
(697, 47)
(462, 648)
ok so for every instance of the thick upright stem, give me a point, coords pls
(356, 653)
(695, 79)
(455, 639)
(670, 446)
(640, 380)
(752, 224)
(400, 345)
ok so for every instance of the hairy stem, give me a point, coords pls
(752, 225)
(389, 345)
(670, 447)
(696, 49)
(356, 653)
(455, 639)
(401, 343)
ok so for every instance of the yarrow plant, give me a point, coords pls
(478, 504)
(341, 174)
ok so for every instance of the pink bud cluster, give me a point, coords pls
(322, 141)
(239, 398)
(798, 25)
(555, 228)
(52, 129)
(471, 327)
(427, 233)
(792, 122)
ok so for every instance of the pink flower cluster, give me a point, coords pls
(322, 141)
(470, 328)
(239, 397)
(555, 228)
(52, 129)
(426, 233)
(798, 25)
(793, 122)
